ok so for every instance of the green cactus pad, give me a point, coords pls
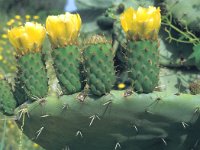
(146, 121)
(7, 101)
(67, 63)
(32, 75)
(99, 67)
(143, 64)
(121, 119)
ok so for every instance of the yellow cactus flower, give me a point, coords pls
(17, 17)
(27, 16)
(12, 20)
(9, 23)
(27, 38)
(63, 29)
(36, 17)
(143, 23)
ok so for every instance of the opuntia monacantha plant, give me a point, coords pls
(89, 113)
(32, 76)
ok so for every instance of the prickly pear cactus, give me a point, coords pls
(119, 120)
(151, 129)
(102, 118)
(144, 77)
(31, 77)
(66, 53)
(32, 74)
(142, 47)
(99, 65)
(67, 63)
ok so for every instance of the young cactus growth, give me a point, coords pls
(7, 101)
(32, 76)
(99, 65)
(141, 27)
(63, 31)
